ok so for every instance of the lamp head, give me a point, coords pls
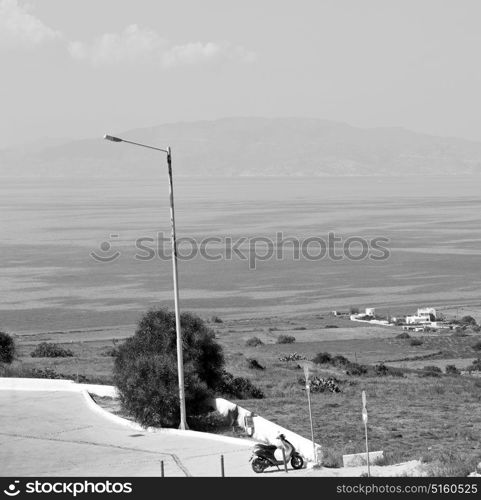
(112, 138)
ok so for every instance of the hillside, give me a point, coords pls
(252, 147)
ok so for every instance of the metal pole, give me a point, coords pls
(180, 360)
(308, 389)
(367, 453)
(162, 469)
(222, 471)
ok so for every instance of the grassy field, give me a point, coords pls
(437, 418)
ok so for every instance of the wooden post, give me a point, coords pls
(222, 471)
(162, 474)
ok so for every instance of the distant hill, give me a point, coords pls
(252, 147)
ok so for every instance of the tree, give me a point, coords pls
(7, 348)
(145, 370)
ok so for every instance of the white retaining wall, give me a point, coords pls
(264, 430)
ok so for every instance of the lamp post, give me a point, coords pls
(180, 361)
(308, 391)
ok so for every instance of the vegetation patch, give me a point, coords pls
(416, 342)
(285, 339)
(254, 342)
(7, 348)
(253, 364)
(48, 350)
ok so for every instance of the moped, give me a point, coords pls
(264, 455)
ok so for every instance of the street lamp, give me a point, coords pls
(180, 361)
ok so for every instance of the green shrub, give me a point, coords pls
(322, 358)
(145, 370)
(431, 371)
(382, 370)
(356, 369)
(285, 339)
(403, 335)
(208, 422)
(475, 366)
(468, 320)
(253, 364)
(254, 342)
(238, 387)
(7, 348)
(47, 350)
(216, 319)
(452, 370)
(416, 342)
(340, 361)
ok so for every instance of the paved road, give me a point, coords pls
(57, 434)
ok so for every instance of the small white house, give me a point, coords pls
(424, 316)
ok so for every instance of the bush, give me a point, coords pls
(238, 387)
(254, 364)
(145, 370)
(356, 369)
(216, 319)
(331, 326)
(354, 310)
(285, 339)
(209, 422)
(340, 361)
(46, 350)
(416, 342)
(477, 346)
(452, 370)
(431, 371)
(7, 348)
(403, 335)
(292, 357)
(254, 342)
(475, 366)
(468, 320)
(322, 358)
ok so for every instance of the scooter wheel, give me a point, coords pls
(297, 462)
(258, 465)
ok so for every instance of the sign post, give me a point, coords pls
(308, 391)
(364, 419)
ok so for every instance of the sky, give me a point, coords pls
(78, 68)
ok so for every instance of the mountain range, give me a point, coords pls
(251, 147)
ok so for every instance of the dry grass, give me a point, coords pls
(409, 418)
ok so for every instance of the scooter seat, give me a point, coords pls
(267, 447)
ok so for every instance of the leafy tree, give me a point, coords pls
(7, 348)
(145, 369)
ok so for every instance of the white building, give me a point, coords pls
(424, 316)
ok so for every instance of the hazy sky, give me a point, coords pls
(77, 68)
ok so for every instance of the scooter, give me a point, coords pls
(264, 455)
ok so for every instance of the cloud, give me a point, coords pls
(140, 45)
(18, 27)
